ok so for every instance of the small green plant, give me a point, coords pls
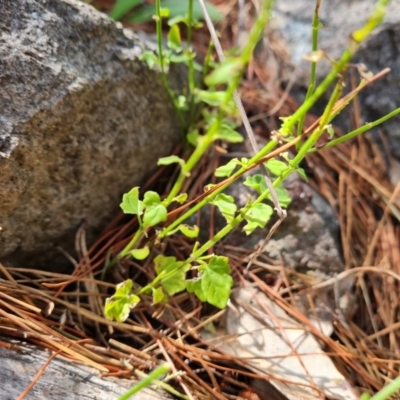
(385, 393)
(145, 382)
(144, 12)
(210, 274)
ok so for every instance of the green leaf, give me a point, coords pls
(150, 58)
(140, 254)
(330, 130)
(257, 182)
(227, 169)
(155, 212)
(151, 198)
(226, 205)
(174, 37)
(228, 134)
(216, 282)
(257, 217)
(181, 58)
(302, 173)
(181, 102)
(131, 203)
(220, 265)
(177, 281)
(170, 160)
(216, 98)
(118, 306)
(189, 231)
(192, 137)
(224, 72)
(195, 287)
(177, 20)
(121, 7)
(283, 196)
(159, 295)
(164, 12)
(276, 167)
(180, 198)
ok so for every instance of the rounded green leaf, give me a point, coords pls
(118, 306)
(180, 198)
(224, 72)
(226, 170)
(257, 217)
(174, 37)
(151, 198)
(189, 231)
(228, 134)
(153, 215)
(276, 167)
(140, 254)
(257, 182)
(131, 203)
(216, 287)
(226, 205)
(170, 160)
(159, 295)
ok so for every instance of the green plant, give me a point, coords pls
(145, 382)
(144, 12)
(385, 393)
(219, 115)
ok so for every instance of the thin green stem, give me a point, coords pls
(191, 71)
(392, 388)
(203, 143)
(238, 219)
(158, 19)
(357, 132)
(358, 37)
(318, 132)
(313, 74)
(206, 141)
(164, 233)
(142, 384)
(132, 243)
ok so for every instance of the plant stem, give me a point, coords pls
(311, 86)
(202, 147)
(191, 71)
(388, 390)
(318, 132)
(158, 19)
(164, 233)
(358, 37)
(357, 131)
(161, 370)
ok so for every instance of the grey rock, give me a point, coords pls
(62, 379)
(307, 240)
(82, 120)
(380, 50)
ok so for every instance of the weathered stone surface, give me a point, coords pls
(380, 50)
(62, 379)
(82, 120)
